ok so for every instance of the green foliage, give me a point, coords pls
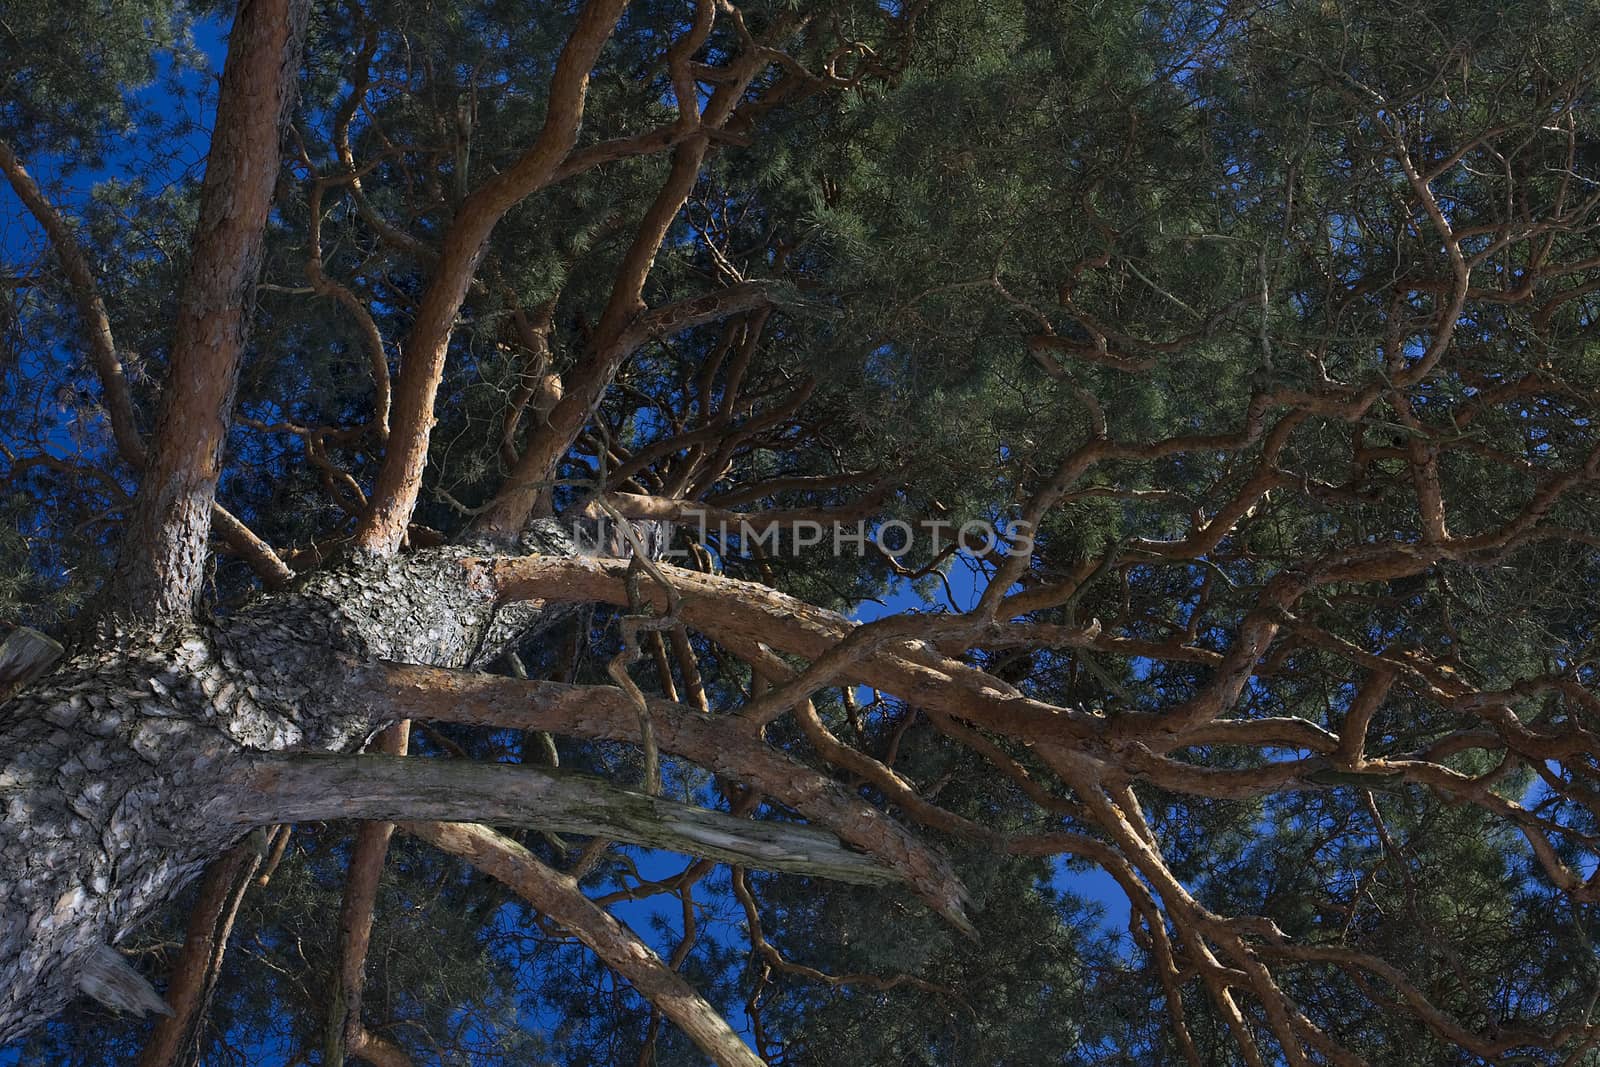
(1048, 215)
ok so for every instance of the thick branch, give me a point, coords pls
(729, 747)
(205, 939)
(740, 614)
(624, 324)
(310, 788)
(96, 323)
(164, 552)
(422, 362)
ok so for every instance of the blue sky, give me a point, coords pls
(181, 156)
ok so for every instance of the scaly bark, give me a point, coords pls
(120, 774)
(126, 770)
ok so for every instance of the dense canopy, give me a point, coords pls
(887, 532)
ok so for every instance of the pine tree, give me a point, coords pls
(414, 437)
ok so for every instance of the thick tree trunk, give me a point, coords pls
(121, 772)
(137, 761)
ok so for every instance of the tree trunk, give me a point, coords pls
(118, 770)
(137, 761)
(164, 545)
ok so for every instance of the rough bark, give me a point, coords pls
(118, 770)
(164, 546)
(25, 656)
(137, 761)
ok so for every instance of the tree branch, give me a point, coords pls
(164, 549)
(558, 896)
(740, 613)
(422, 362)
(205, 940)
(314, 787)
(96, 323)
(732, 748)
(624, 323)
(91, 306)
(344, 1028)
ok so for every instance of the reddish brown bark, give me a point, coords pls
(741, 614)
(379, 1051)
(345, 1030)
(582, 389)
(204, 941)
(623, 326)
(164, 546)
(394, 496)
(96, 325)
(730, 747)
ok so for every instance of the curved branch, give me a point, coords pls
(558, 896)
(422, 362)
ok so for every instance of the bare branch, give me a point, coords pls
(558, 896)
(305, 788)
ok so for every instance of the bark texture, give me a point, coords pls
(140, 759)
(311, 788)
(123, 772)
